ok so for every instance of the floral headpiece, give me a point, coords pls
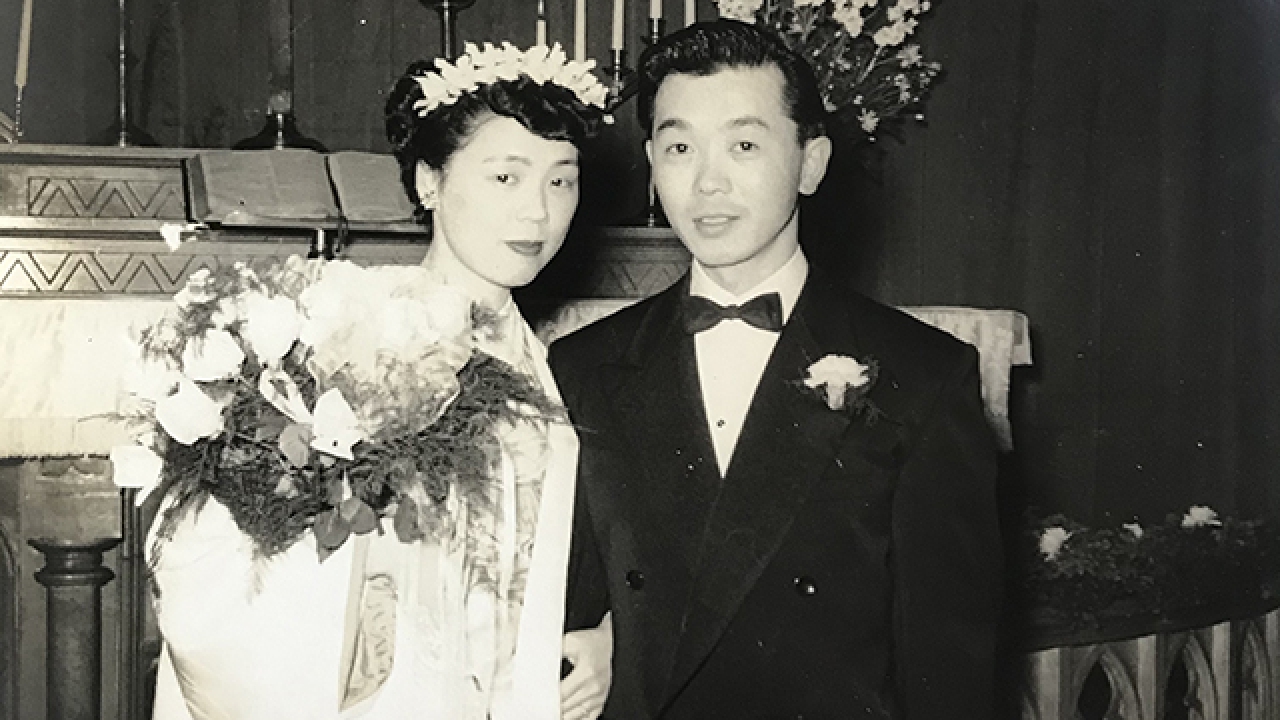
(856, 47)
(476, 67)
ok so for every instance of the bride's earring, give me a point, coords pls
(427, 185)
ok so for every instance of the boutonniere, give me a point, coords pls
(843, 384)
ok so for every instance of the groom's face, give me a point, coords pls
(729, 166)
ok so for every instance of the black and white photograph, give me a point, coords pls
(640, 360)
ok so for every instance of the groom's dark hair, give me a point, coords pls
(706, 48)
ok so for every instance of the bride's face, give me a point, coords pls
(504, 203)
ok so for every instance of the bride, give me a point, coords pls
(330, 585)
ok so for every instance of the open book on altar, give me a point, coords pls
(295, 187)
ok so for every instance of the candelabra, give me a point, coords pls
(123, 132)
(448, 10)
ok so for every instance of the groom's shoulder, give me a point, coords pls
(894, 334)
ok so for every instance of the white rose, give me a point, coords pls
(1052, 540)
(1200, 515)
(868, 120)
(448, 312)
(135, 466)
(271, 326)
(189, 414)
(214, 356)
(402, 329)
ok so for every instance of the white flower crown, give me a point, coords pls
(476, 67)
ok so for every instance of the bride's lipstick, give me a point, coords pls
(528, 248)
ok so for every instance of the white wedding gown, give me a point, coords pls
(272, 639)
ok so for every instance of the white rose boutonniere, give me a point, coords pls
(843, 383)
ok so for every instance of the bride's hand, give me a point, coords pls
(584, 689)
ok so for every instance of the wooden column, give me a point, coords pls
(73, 575)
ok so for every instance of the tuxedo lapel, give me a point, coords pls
(659, 415)
(787, 442)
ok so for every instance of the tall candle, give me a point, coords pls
(619, 23)
(24, 47)
(541, 24)
(690, 12)
(655, 9)
(580, 30)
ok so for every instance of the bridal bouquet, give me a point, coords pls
(324, 396)
(869, 75)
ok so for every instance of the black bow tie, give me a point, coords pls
(764, 312)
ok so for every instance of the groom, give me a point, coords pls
(768, 547)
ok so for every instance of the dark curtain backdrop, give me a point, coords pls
(1110, 168)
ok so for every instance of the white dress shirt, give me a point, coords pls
(733, 354)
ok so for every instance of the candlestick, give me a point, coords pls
(580, 30)
(541, 25)
(24, 47)
(123, 133)
(621, 80)
(655, 9)
(690, 12)
(280, 129)
(448, 10)
(618, 41)
(17, 116)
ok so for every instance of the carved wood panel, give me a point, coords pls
(89, 197)
(94, 273)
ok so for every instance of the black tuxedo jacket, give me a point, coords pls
(842, 569)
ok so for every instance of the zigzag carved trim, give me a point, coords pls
(82, 273)
(95, 198)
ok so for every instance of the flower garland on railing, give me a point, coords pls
(321, 396)
(1078, 578)
(869, 76)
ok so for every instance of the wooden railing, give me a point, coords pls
(1229, 670)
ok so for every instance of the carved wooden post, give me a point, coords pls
(132, 606)
(74, 576)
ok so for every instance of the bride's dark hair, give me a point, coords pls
(548, 110)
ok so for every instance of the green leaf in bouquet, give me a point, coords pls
(401, 472)
(358, 515)
(335, 488)
(331, 531)
(436, 485)
(295, 443)
(270, 427)
(286, 487)
(407, 525)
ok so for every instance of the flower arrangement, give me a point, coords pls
(869, 76)
(321, 396)
(476, 67)
(1078, 579)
